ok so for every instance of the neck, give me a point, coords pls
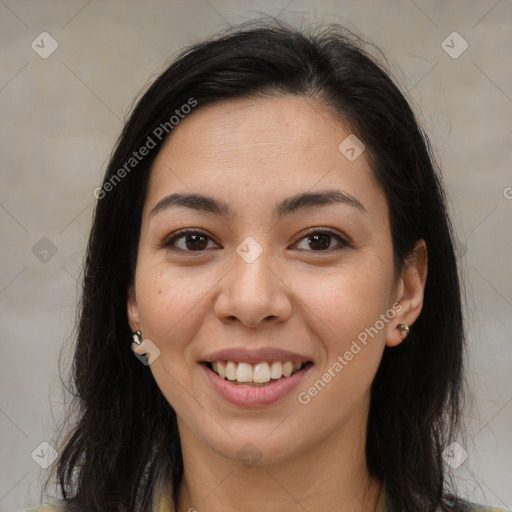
(330, 476)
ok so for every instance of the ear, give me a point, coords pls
(132, 309)
(410, 291)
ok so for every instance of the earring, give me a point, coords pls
(404, 330)
(139, 345)
(137, 336)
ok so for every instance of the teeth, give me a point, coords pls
(276, 370)
(221, 369)
(244, 372)
(259, 373)
(287, 368)
(231, 370)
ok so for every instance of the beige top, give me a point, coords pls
(164, 504)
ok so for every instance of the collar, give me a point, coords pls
(163, 501)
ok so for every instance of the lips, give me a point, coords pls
(255, 377)
(255, 356)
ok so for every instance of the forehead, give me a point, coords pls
(274, 124)
(258, 147)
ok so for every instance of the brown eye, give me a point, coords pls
(320, 241)
(187, 241)
(195, 242)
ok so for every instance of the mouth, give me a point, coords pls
(262, 374)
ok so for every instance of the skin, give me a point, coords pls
(251, 154)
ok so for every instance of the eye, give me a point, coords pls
(320, 240)
(187, 240)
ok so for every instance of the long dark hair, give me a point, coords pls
(124, 438)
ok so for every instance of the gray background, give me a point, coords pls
(60, 117)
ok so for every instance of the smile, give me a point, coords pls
(259, 374)
(251, 385)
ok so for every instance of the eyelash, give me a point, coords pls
(169, 241)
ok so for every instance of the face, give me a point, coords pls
(285, 266)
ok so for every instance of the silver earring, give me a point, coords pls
(404, 330)
(137, 336)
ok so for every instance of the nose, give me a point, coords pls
(254, 293)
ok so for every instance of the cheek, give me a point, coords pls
(344, 301)
(345, 315)
(171, 302)
(173, 305)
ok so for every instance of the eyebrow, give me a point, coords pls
(285, 207)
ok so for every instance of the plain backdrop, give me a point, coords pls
(60, 117)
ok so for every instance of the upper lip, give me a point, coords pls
(255, 355)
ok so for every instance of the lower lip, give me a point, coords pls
(254, 396)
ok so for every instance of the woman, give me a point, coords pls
(271, 241)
